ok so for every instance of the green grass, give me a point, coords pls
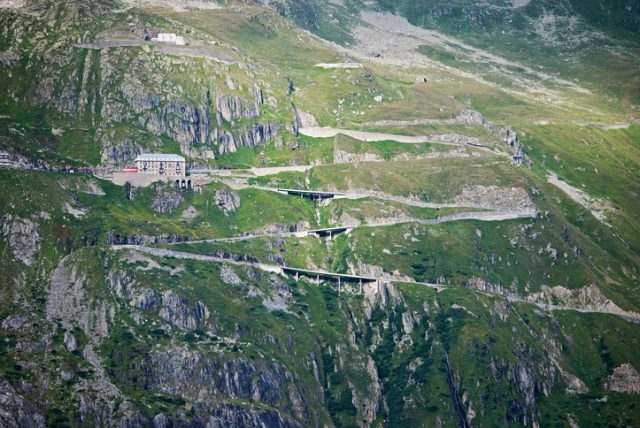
(595, 345)
(113, 213)
(386, 150)
(80, 145)
(422, 178)
(286, 180)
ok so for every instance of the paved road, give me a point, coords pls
(328, 132)
(161, 252)
(497, 215)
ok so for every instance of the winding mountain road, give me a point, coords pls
(497, 215)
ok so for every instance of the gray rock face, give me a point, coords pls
(253, 136)
(70, 341)
(624, 379)
(231, 108)
(161, 421)
(469, 117)
(69, 302)
(166, 200)
(516, 149)
(114, 239)
(22, 234)
(181, 313)
(279, 298)
(134, 107)
(304, 120)
(229, 276)
(118, 150)
(340, 156)
(227, 200)
(230, 415)
(147, 299)
(16, 411)
(15, 322)
(181, 372)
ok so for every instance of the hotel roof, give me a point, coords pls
(155, 157)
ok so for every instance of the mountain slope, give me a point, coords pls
(487, 191)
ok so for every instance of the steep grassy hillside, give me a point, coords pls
(490, 266)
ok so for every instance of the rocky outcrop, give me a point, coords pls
(22, 235)
(16, 322)
(585, 299)
(516, 149)
(178, 371)
(340, 156)
(625, 379)
(181, 313)
(229, 276)
(454, 138)
(147, 299)
(232, 108)
(189, 213)
(115, 239)
(69, 341)
(166, 200)
(276, 228)
(255, 135)
(469, 117)
(16, 411)
(227, 200)
(466, 117)
(69, 302)
(279, 298)
(488, 287)
(574, 385)
(304, 120)
(495, 197)
(226, 255)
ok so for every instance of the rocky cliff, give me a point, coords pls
(126, 97)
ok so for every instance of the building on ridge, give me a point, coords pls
(169, 38)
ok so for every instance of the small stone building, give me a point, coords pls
(161, 164)
(170, 38)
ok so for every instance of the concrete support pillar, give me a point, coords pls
(297, 276)
(360, 287)
(339, 286)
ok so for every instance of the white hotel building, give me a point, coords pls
(161, 164)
